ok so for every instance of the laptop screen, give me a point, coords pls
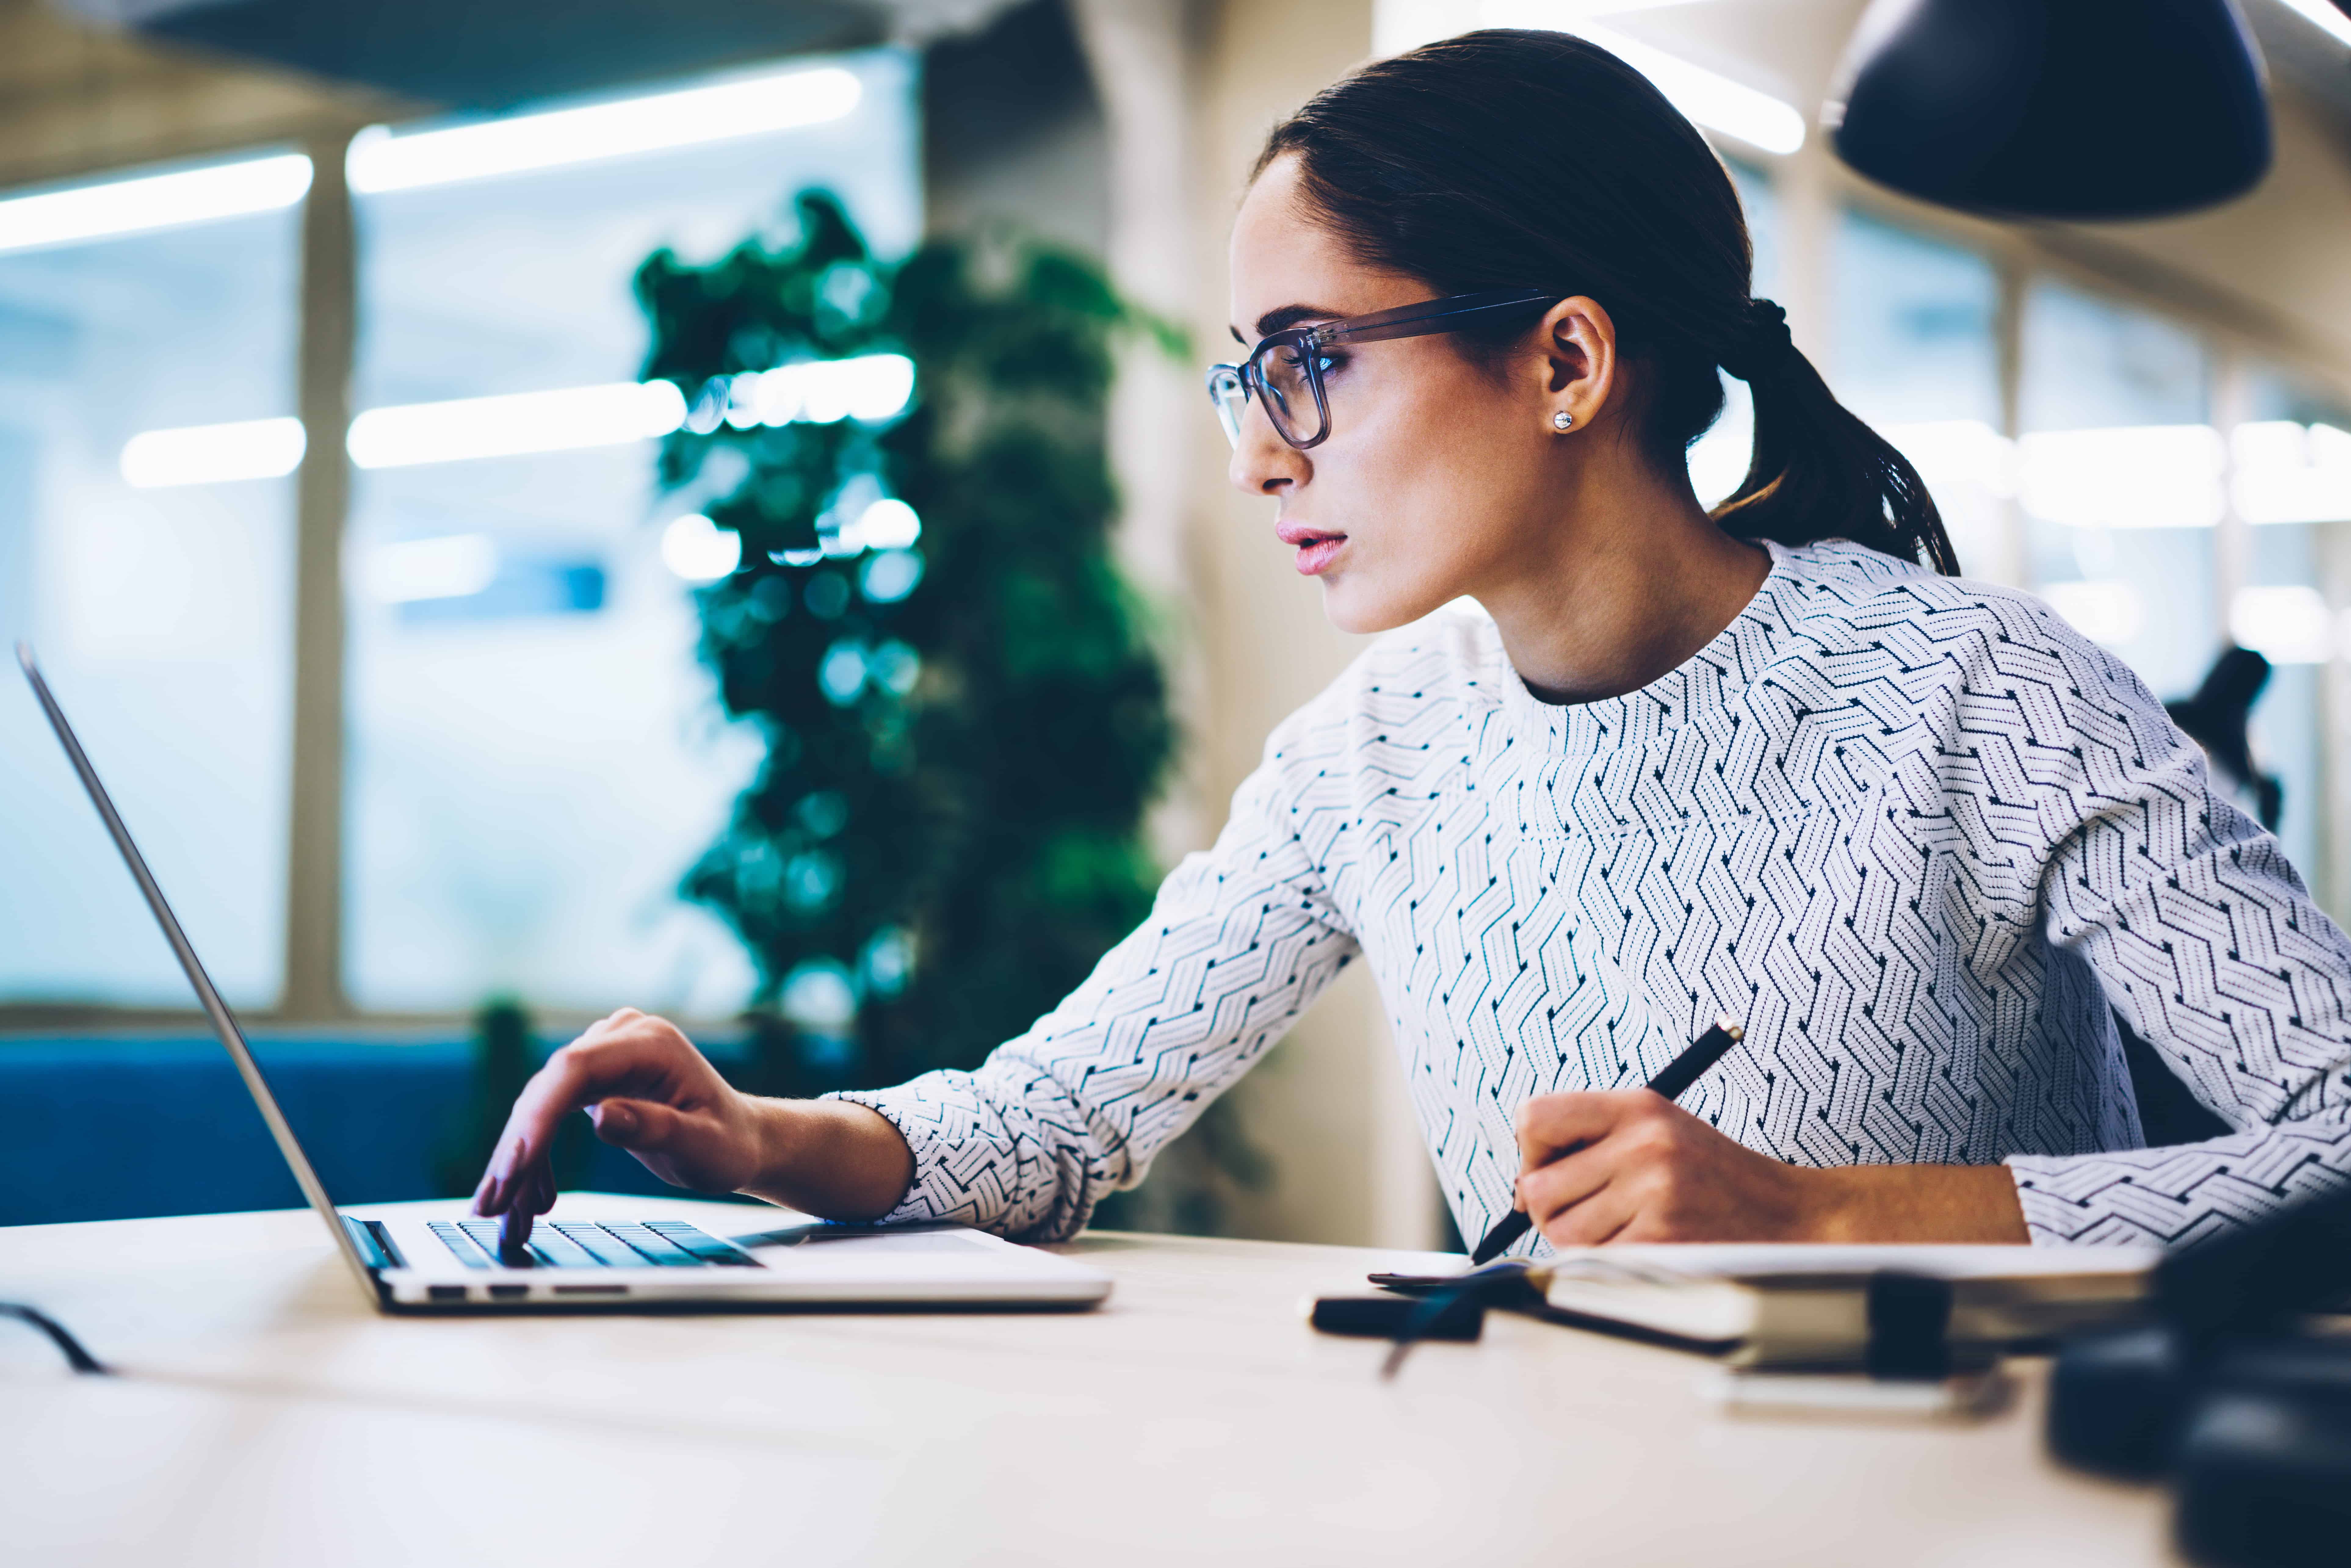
(223, 1022)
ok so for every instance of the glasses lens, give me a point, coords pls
(1230, 394)
(1290, 398)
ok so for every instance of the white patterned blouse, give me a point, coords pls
(1915, 832)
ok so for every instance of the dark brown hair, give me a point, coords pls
(1513, 160)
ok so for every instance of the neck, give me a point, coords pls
(1634, 579)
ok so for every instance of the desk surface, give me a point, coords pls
(268, 1415)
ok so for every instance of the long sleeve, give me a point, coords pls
(1240, 940)
(2206, 941)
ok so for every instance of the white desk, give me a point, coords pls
(268, 1415)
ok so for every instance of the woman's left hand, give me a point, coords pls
(1631, 1165)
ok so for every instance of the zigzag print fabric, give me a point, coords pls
(1915, 832)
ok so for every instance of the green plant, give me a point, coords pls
(963, 730)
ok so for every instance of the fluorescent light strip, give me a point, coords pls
(823, 392)
(1717, 102)
(213, 454)
(1398, 25)
(516, 425)
(1708, 99)
(150, 202)
(2319, 14)
(383, 159)
(870, 387)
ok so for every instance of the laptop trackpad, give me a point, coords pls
(909, 1253)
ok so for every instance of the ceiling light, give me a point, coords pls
(1708, 99)
(383, 159)
(1714, 101)
(2033, 109)
(515, 424)
(870, 387)
(150, 202)
(2323, 16)
(212, 454)
(1398, 25)
(821, 392)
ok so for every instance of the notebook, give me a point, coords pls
(1763, 1306)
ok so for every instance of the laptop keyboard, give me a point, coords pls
(574, 1244)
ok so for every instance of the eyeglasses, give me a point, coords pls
(1285, 371)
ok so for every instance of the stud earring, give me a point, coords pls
(1563, 421)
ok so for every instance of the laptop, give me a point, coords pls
(444, 1260)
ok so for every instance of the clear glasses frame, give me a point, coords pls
(1284, 371)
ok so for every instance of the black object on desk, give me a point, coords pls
(1461, 1317)
(2229, 1393)
(1672, 1083)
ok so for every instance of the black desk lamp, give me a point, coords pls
(2054, 108)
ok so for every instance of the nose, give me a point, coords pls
(1263, 464)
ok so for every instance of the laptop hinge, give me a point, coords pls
(375, 1242)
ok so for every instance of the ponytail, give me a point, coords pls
(1818, 472)
(1426, 164)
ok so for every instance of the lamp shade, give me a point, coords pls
(2054, 108)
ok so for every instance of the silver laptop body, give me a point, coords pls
(431, 1259)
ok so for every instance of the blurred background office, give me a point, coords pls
(332, 489)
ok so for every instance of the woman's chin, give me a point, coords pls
(1359, 609)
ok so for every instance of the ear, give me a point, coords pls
(1579, 359)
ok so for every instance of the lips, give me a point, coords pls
(1315, 546)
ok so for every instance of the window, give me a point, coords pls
(162, 604)
(1915, 354)
(534, 755)
(2290, 480)
(2119, 474)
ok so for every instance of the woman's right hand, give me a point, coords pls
(650, 1092)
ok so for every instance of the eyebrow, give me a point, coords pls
(1287, 316)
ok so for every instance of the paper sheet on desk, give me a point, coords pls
(1810, 1303)
(1765, 1261)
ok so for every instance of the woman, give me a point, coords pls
(1914, 832)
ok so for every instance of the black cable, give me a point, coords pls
(1501, 1283)
(79, 1359)
(1425, 1315)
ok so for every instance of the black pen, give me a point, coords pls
(1678, 1075)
